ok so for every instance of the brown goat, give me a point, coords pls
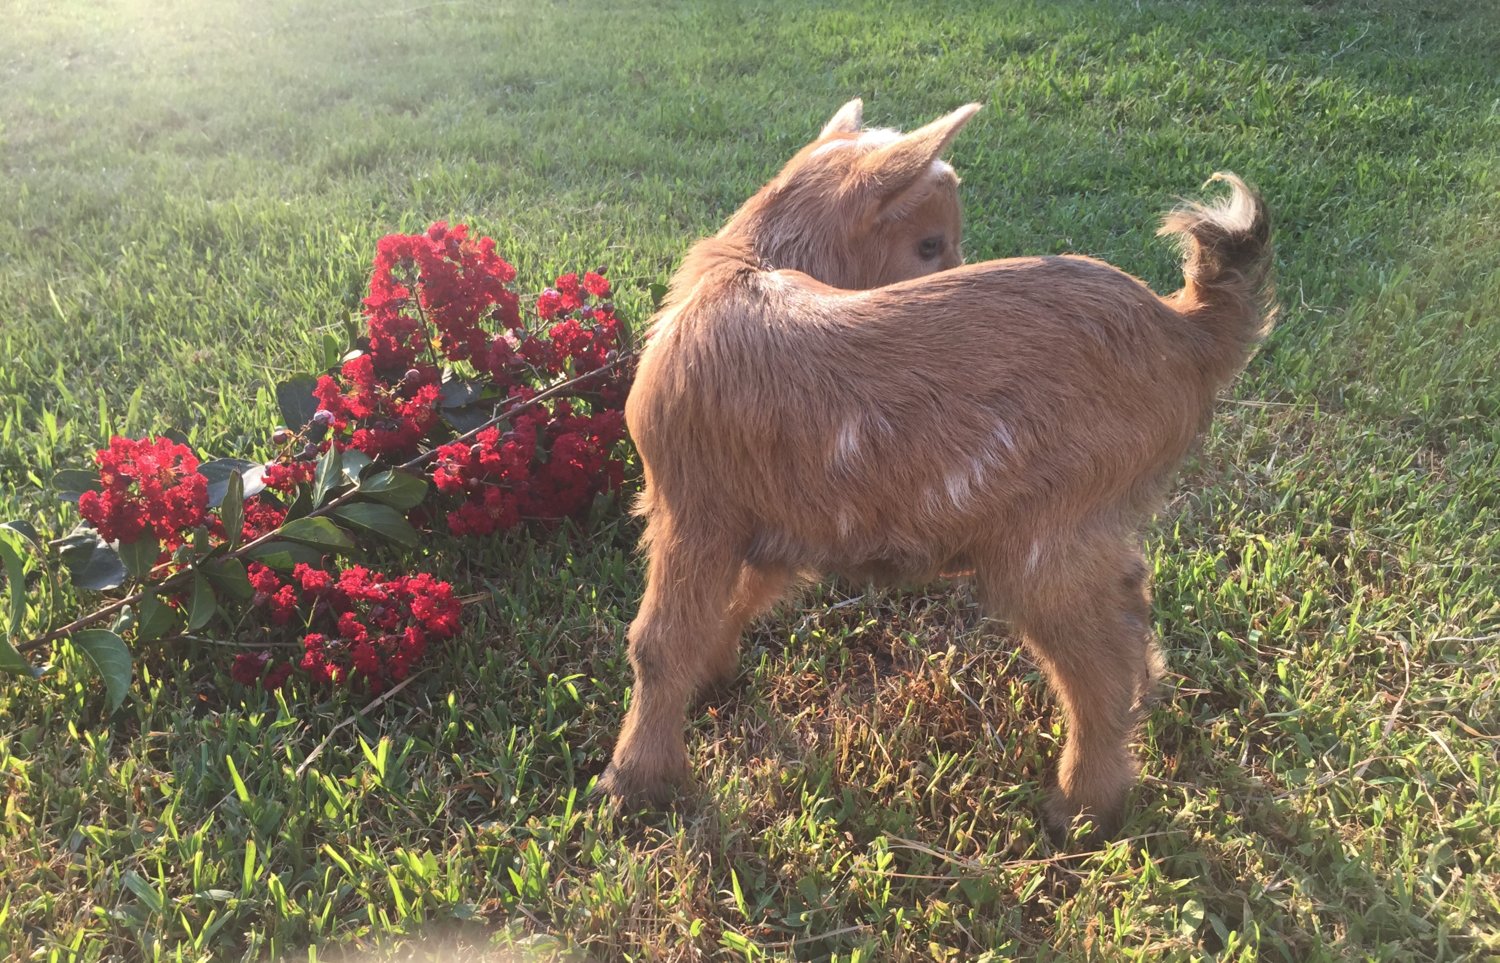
(1016, 419)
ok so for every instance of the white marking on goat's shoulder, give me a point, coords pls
(846, 444)
(1003, 435)
(1034, 557)
(844, 522)
(958, 484)
(1000, 443)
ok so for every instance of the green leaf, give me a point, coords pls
(155, 619)
(330, 475)
(458, 393)
(355, 462)
(132, 409)
(658, 294)
(285, 556)
(233, 511)
(12, 553)
(201, 543)
(301, 504)
(26, 530)
(396, 488)
(295, 399)
(218, 471)
(123, 622)
(111, 658)
(91, 563)
(72, 482)
(228, 577)
(1189, 918)
(317, 532)
(240, 789)
(333, 349)
(465, 420)
(140, 556)
(379, 520)
(14, 663)
(204, 604)
(150, 898)
(254, 480)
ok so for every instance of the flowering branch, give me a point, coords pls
(448, 384)
(557, 390)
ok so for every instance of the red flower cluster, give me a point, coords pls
(285, 474)
(387, 402)
(250, 668)
(261, 518)
(568, 295)
(582, 334)
(461, 283)
(369, 629)
(445, 344)
(148, 487)
(387, 418)
(548, 466)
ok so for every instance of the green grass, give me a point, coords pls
(191, 195)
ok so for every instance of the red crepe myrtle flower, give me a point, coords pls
(596, 285)
(459, 283)
(285, 475)
(440, 306)
(261, 518)
(386, 418)
(368, 629)
(547, 467)
(148, 487)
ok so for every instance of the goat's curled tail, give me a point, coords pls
(1227, 267)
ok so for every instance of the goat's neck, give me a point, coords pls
(773, 243)
(717, 260)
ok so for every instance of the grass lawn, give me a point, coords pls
(190, 192)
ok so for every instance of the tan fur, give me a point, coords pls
(1016, 419)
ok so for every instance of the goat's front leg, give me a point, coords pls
(675, 647)
(757, 590)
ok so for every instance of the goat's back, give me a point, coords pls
(894, 428)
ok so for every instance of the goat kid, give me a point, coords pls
(826, 389)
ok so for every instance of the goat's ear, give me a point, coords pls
(898, 171)
(848, 120)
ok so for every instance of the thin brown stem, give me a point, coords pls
(427, 326)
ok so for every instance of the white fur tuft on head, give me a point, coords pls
(871, 139)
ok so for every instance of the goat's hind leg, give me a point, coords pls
(1085, 617)
(675, 644)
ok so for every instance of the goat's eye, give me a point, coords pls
(930, 248)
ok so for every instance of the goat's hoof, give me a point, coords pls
(721, 683)
(1062, 818)
(629, 788)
